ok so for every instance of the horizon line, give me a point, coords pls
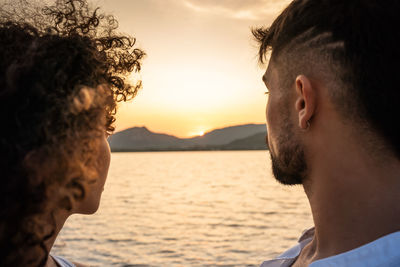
(219, 128)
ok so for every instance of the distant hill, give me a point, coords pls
(226, 135)
(240, 137)
(254, 142)
(140, 138)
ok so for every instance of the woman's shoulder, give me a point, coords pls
(62, 262)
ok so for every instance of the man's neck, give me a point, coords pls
(353, 201)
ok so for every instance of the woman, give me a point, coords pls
(63, 69)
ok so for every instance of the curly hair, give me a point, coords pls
(63, 69)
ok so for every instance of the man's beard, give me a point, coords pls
(289, 167)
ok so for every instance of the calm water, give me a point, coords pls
(187, 209)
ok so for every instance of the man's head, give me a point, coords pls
(330, 53)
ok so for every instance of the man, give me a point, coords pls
(332, 118)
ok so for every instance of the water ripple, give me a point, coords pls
(187, 209)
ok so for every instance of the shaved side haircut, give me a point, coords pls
(352, 47)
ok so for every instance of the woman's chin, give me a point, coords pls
(88, 207)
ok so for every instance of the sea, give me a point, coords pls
(203, 208)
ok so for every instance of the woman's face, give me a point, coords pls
(93, 192)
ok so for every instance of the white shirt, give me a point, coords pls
(383, 252)
(62, 261)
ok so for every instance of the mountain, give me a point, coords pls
(228, 134)
(254, 142)
(140, 138)
(240, 137)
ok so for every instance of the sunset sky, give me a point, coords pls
(201, 70)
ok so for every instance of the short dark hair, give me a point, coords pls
(364, 57)
(63, 69)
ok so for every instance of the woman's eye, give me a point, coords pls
(266, 92)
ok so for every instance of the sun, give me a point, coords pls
(197, 133)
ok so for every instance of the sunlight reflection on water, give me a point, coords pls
(187, 209)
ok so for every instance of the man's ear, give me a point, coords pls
(305, 100)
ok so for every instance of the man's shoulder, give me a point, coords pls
(381, 252)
